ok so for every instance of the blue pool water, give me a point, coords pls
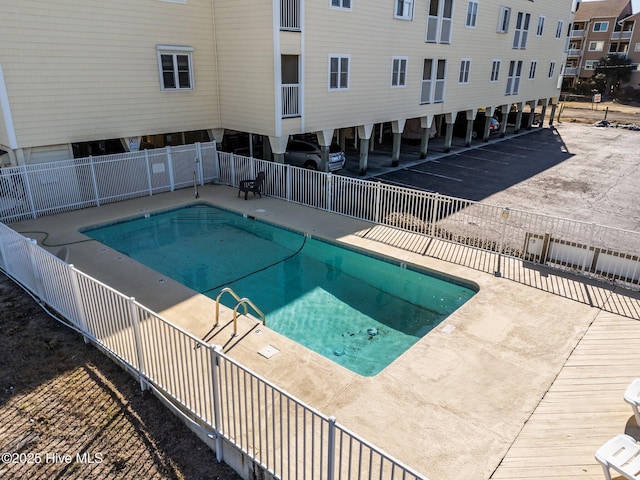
(360, 311)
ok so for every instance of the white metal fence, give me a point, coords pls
(30, 191)
(283, 435)
(589, 249)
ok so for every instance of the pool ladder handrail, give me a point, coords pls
(241, 301)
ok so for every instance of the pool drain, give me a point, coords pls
(372, 332)
(338, 352)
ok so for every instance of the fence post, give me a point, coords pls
(215, 363)
(329, 189)
(146, 163)
(94, 181)
(216, 161)
(331, 448)
(77, 297)
(137, 338)
(199, 163)
(170, 167)
(588, 249)
(287, 176)
(376, 212)
(27, 186)
(434, 212)
(32, 245)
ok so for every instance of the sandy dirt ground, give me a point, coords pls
(68, 412)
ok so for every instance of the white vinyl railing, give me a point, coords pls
(30, 191)
(290, 100)
(597, 251)
(290, 15)
(280, 433)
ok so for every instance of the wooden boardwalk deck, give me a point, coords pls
(583, 408)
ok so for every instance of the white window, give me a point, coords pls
(559, 28)
(513, 79)
(532, 69)
(472, 14)
(341, 4)
(591, 64)
(404, 9)
(433, 80)
(339, 72)
(636, 47)
(503, 20)
(439, 21)
(596, 46)
(600, 26)
(465, 67)
(552, 67)
(399, 72)
(540, 28)
(495, 70)
(521, 31)
(176, 69)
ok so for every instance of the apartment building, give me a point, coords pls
(602, 28)
(81, 77)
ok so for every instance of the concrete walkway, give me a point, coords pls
(462, 400)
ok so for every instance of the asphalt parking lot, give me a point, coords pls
(573, 170)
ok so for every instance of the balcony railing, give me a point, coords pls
(570, 71)
(577, 33)
(573, 52)
(290, 15)
(290, 100)
(623, 35)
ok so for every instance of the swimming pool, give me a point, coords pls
(358, 310)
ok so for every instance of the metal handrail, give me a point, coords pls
(244, 301)
(222, 292)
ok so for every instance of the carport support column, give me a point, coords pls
(364, 132)
(397, 127)
(532, 113)
(553, 114)
(543, 112)
(488, 115)
(278, 147)
(470, 115)
(449, 118)
(425, 124)
(324, 140)
(519, 106)
(505, 115)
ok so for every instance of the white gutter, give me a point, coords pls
(6, 113)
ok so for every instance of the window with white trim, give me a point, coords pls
(495, 70)
(532, 69)
(521, 31)
(434, 73)
(439, 21)
(404, 9)
(503, 20)
(399, 71)
(472, 14)
(513, 78)
(465, 67)
(552, 68)
(341, 4)
(339, 72)
(540, 28)
(176, 67)
(559, 28)
(596, 46)
(636, 47)
(600, 26)
(591, 64)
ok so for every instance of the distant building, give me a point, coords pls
(602, 28)
(89, 77)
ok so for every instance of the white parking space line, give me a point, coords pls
(464, 167)
(473, 157)
(484, 149)
(434, 174)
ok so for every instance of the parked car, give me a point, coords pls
(460, 126)
(301, 153)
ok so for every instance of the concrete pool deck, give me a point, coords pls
(517, 383)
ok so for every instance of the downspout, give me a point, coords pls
(215, 54)
(277, 69)
(6, 113)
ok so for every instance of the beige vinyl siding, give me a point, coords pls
(371, 36)
(81, 70)
(4, 139)
(245, 40)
